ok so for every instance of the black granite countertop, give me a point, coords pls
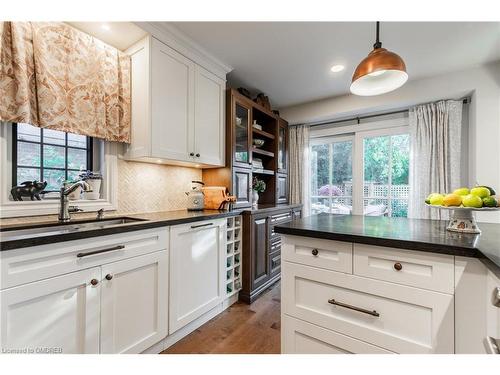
(148, 220)
(403, 233)
(8, 241)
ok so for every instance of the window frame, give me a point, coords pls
(350, 137)
(104, 152)
(89, 149)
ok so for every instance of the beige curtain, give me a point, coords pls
(436, 142)
(54, 76)
(299, 166)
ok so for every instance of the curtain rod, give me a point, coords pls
(465, 100)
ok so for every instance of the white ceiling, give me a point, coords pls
(290, 61)
(120, 35)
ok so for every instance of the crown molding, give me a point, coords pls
(174, 38)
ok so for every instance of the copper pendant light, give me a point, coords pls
(380, 72)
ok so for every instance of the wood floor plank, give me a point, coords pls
(241, 329)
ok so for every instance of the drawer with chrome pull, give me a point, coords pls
(281, 218)
(398, 318)
(332, 255)
(29, 264)
(407, 267)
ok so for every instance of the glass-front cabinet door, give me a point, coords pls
(282, 146)
(241, 124)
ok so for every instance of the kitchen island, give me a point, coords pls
(388, 285)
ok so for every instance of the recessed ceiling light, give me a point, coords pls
(337, 68)
(105, 26)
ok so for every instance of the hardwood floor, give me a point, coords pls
(241, 329)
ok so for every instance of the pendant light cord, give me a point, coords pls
(377, 44)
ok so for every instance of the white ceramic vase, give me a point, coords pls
(95, 186)
(255, 198)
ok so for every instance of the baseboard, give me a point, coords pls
(255, 294)
(178, 335)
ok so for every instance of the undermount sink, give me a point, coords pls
(49, 229)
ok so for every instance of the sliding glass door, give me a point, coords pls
(331, 175)
(385, 174)
(364, 174)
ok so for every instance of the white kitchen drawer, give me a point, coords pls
(409, 320)
(407, 267)
(20, 266)
(299, 337)
(332, 255)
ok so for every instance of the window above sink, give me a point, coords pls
(29, 153)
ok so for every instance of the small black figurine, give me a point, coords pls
(30, 189)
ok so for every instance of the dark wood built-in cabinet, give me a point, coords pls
(261, 246)
(241, 113)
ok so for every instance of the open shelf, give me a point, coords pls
(263, 171)
(262, 152)
(263, 133)
(233, 255)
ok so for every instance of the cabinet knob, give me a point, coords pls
(197, 155)
(94, 282)
(191, 154)
(315, 252)
(109, 276)
(398, 266)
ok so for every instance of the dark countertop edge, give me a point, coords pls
(379, 241)
(394, 242)
(131, 227)
(264, 209)
(490, 265)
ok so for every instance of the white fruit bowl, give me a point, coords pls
(462, 219)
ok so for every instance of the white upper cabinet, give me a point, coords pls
(177, 108)
(209, 115)
(172, 94)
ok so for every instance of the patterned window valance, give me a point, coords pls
(54, 76)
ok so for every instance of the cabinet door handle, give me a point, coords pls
(109, 276)
(398, 266)
(491, 345)
(191, 154)
(197, 155)
(496, 296)
(81, 255)
(201, 225)
(351, 307)
(315, 252)
(94, 282)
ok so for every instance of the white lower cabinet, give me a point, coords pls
(196, 270)
(300, 337)
(116, 305)
(60, 314)
(492, 340)
(396, 317)
(134, 303)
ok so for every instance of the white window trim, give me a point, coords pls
(9, 208)
(358, 162)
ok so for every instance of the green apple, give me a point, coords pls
(462, 191)
(480, 191)
(471, 200)
(489, 202)
(436, 199)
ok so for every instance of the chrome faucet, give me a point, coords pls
(64, 209)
